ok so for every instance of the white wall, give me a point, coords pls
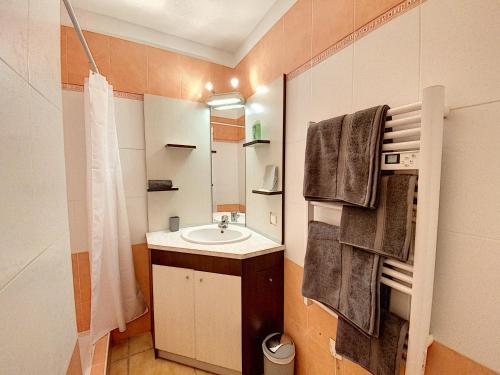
(268, 108)
(37, 314)
(179, 122)
(130, 128)
(225, 173)
(421, 48)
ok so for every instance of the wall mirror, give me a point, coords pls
(228, 164)
(217, 161)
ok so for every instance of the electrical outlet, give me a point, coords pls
(273, 218)
(333, 352)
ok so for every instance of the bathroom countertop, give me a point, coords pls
(256, 245)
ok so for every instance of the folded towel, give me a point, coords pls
(358, 171)
(380, 356)
(343, 277)
(322, 152)
(158, 185)
(387, 230)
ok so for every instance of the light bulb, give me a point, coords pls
(209, 86)
(235, 82)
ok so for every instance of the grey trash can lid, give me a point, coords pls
(279, 348)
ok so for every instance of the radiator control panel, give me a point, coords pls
(400, 160)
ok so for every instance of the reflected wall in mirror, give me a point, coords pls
(228, 164)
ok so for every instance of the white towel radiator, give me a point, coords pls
(416, 137)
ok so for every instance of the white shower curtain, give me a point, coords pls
(116, 298)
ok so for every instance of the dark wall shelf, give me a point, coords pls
(256, 142)
(265, 192)
(174, 145)
(169, 189)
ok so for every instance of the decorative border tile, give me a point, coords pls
(381, 20)
(116, 94)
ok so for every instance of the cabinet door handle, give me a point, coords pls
(201, 280)
(187, 277)
(270, 279)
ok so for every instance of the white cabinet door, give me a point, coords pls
(173, 297)
(218, 319)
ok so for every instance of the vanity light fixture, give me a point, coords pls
(261, 89)
(226, 101)
(209, 86)
(235, 82)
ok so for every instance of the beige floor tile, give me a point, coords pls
(145, 364)
(119, 367)
(140, 343)
(119, 350)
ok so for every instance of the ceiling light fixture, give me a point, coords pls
(218, 101)
(261, 89)
(235, 82)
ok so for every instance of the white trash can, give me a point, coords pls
(279, 354)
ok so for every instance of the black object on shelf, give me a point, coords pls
(214, 152)
(267, 192)
(175, 145)
(164, 189)
(256, 142)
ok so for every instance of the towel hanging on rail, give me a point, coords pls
(388, 229)
(342, 160)
(344, 278)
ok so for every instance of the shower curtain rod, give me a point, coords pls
(78, 30)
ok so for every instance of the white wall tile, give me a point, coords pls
(137, 219)
(466, 300)
(460, 49)
(78, 226)
(134, 172)
(16, 180)
(50, 211)
(44, 56)
(38, 316)
(332, 82)
(470, 177)
(14, 35)
(298, 107)
(386, 63)
(294, 159)
(129, 116)
(296, 231)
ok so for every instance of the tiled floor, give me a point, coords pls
(135, 356)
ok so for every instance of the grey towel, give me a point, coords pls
(322, 152)
(342, 160)
(344, 278)
(358, 172)
(380, 356)
(159, 185)
(387, 230)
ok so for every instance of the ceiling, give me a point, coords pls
(221, 24)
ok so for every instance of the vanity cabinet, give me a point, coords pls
(198, 315)
(212, 312)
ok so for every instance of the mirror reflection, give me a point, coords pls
(228, 165)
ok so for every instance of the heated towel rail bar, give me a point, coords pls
(416, 129)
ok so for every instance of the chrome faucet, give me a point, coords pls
(224, 222)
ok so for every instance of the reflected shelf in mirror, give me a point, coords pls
(257, 142)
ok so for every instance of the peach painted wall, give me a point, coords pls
(136, 68)
(82, 291)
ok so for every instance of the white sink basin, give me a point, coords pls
(214, 235)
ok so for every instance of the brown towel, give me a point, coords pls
(387, 230)
(380, 356)
(342, 160)
(358, 171)
(320, 167)
(343, 277)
